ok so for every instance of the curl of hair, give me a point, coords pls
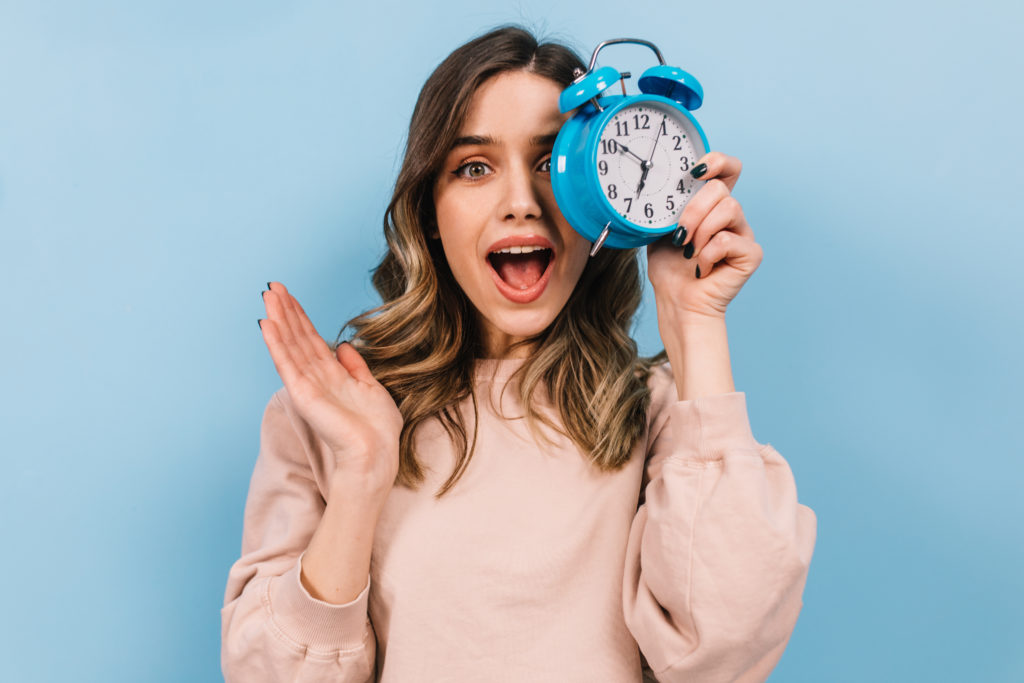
(421, 343)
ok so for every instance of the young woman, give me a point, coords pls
(486, 483)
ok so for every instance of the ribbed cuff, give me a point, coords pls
(707, 428)
(314, 623)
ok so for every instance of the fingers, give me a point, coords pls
(712, 209)
(739, 252)
(307, 350)
(316, 343)
(286, 322)
(304, 334)
(354, 363)
(280, 353)
(720, 166)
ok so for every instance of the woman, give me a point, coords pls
(487, 483)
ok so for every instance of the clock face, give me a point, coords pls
(644, 157)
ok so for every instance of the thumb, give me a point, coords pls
(354, 363)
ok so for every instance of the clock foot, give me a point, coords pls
(600, 240)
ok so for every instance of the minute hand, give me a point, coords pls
(627, 150)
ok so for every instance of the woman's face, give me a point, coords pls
(506, 242)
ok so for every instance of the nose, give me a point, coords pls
(520, 201)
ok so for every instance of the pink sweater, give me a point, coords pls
(689, 562)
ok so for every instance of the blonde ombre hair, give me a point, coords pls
(423, 341)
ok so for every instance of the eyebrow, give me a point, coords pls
(487, 140)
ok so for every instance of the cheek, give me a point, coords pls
(458, 212)
(575, 247)
(458, 239)
(577, 250)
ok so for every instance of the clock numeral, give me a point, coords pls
(609, 147)
(679, 142)
(648, 210)
(621, 128)
(680, 186)
(612, 192)
(602, 167)
(664, 130)
(686, 163)
(646, 121)
(669, 204)
(629, 203)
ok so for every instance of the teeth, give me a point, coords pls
(518, 250)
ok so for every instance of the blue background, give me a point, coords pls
(160, 161)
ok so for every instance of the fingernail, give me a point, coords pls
(679, 236)
(698, 272)
(268, 285)
(258, 321)
(698, 171)
(688, 250)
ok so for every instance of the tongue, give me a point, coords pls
(520, 270)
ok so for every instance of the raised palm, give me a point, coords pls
(335, 392)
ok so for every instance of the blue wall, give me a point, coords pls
(160, 161)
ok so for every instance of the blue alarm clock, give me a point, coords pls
(620, 165)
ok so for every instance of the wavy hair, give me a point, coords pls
(422, 342)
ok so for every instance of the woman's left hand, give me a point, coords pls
(723, 249)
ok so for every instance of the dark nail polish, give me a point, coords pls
(688, 250)
(679, 236)
(698, 272)
(258, 321)
(698, 171)
(268, 285)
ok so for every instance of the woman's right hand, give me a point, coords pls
(335, 393)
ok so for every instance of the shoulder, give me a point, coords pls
(287, 432)
(662, 385)
(280, 410)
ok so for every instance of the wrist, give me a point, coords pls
(698, 350)
(686, 325)
(369, 487)
(678, 316)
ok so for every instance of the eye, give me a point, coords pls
(473, 170)
(545, 166)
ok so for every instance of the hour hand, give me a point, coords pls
(645, 167)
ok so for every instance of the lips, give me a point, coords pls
(521, 266)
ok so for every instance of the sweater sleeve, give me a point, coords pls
(719, 550)
(272, 629)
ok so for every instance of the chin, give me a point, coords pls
(520, 324)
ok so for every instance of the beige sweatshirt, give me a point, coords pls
(689, 562)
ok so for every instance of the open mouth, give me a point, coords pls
(520, 267)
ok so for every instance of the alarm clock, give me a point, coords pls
(620, 165)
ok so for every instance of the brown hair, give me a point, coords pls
(422, 342)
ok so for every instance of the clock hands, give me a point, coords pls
(627, 150)
(645, 166)
(656, 138)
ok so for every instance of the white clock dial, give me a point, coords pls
(644, 157)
